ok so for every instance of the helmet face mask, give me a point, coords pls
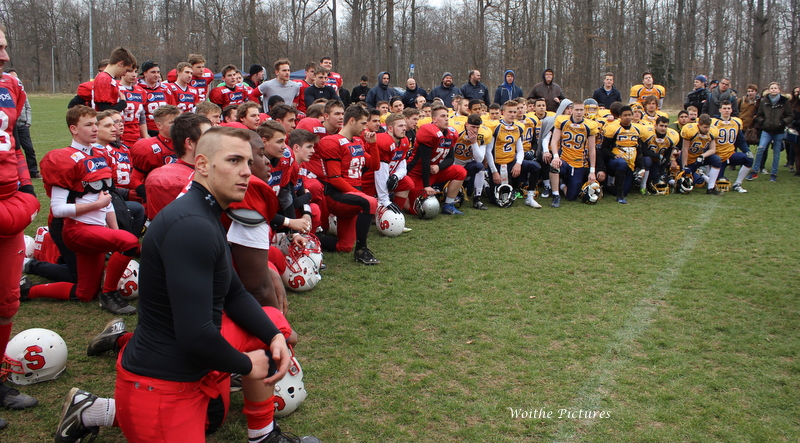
(302, 266)
(591, 192)
(723, 185)
(504, 195)
(33, 356)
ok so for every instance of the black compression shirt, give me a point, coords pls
(186, 280)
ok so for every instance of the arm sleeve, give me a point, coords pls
(308, 96)
(424, 155)
(520, 151)
(58, 203)
(120, 106)
(401, 169)
(608, 147)
(381, 176)
(478, 152)
(490, 156)
(448, 160)
(190, 268)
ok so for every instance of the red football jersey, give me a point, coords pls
(69, 167)
(283, 174)
(105, 89)
(165, 184)
(120, 164)
(134, 113)
(350, 156)
(148, 154)
(155, 98)
(299, 101)
(185, 99)
(441, 142)
(259, 197)
(224, 96)
(202, 83)
(314, 164)
(13, 168)
(334, 81)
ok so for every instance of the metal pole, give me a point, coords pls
(53, 66)
(242, 66)
(91, 41)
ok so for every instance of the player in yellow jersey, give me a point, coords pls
(638, 92)
(573, 151)
(425, 117)
(460, 112)
(469, 152)
(660, 149)
(528, 126)
(505, 156)
(492, 118)
(620, 146)
(651, 112)
(730, 137)
(699, 148)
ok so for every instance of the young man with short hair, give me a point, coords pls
(344, 156)
(506, 156)
(620, 146)
(157, 94)
(334, 78)
(105, 89)
(230, 93)
(469, 152)
(319, 88)
(134, 113)
(184, 96)
(247, 114)
(286, 115)
(281, 85)
(699, 148)
(300, 100)
(607, 94)
(391, 177)
(640, 91)
(211, 111)
(731, 135)
(202, 77)
(433, 159)
(660, 150)
(574, 156)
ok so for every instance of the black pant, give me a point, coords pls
(23, 135)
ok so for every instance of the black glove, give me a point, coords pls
(28, 189)
(530, 155)
(141, 192)
(391, 184)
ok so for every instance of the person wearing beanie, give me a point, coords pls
(699, 94)
(446, 91)
(550, 91)
(256, 76)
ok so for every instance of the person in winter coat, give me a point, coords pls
(774, 115)
(381, 92)
(474, 89)
(508, 90)
(412, 92)
(548, 90)
(446, 91)
(699, 94)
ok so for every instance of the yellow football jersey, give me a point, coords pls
(504, 142)
(463, 148)
(639, 92)
(528, 132)
(625, 140)
(728, 132)
(491, 124)
(458, 122)
(651, 119)
(661, 145)
(699, 142)
(574, 144)
(423, 120)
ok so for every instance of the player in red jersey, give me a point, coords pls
(150, 153)
(334, 79)
(184, 96)
(210, 111)
(133, 115)
(202, 77)
(230, 93)
(157, 94)
(302, 145)
(166, 183)
(78, 180)
(105, 89)
(300, 102)
(432, 160)
(18, 206)
(344, 156)
(391, 177)
(286, 115)
(332, 122)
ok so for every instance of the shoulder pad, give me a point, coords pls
(246, 217)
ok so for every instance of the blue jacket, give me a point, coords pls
(380, 93)
(409, 97)
(506, 91)
(479, 91)
(446, 94)
(606, 98)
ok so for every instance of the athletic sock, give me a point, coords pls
(643, 184)
(712, 177)
(400, 202)
(363, 222)
(531, 194)
(449, 200)
(100, 413)
(743, 171)
(260, 418)
(57, 291)
(114, 270)
(619, 183)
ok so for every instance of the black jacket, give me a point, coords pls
(774, 118)
(479, 91)
(697, 99)
(606, 99)
(357, 92)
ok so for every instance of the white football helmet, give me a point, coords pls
(290, 390)
(33, 356)
(129, 283)
(504, 195)
(30, 246)
(302, 272)
(427, 207)
(390, 223)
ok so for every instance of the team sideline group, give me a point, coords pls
(270, 174)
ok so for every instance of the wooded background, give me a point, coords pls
(752, 41)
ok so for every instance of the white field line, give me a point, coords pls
(598, 387)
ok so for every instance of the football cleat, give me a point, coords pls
(13, 399)
(478, 204)
(113, 303)
(622, 201)
(546, 192)
(25, 286)
(714, 191)
(450, 209)
(530, 201)
(70, 425)
(556, 201)
(738, 188)
(365, 256)
(107, 340)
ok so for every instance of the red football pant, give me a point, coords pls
(12, 252)
(346, 206)
(90, 244)
(453, 172)
(317, 190)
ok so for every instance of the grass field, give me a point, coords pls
(675, 318)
